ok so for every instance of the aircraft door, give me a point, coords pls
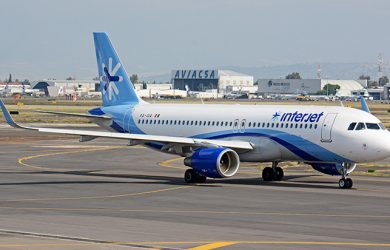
(235, 125)
(242, 125)
(326, 129)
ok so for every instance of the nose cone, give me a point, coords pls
(384, 145)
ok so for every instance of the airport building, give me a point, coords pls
(54, 88)
(202, 80)
(307, 86)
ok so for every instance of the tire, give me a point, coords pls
(268, 174)
(349, 183)
(343, 183)
(189, 176)
(278, 174)
(201, 179)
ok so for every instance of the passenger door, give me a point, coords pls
(235, 125)
(326, 129)
(242, 125)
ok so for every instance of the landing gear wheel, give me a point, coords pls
(278, 174)
(268, 174)
(349, 183)
(201, 179)
(345, 183)
(190, 176)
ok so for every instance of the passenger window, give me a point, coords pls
(301, 125)
(158, 121)
(305, 126)
(315, 126)
(250, 124)
(360, 126)
(277, 125)
(217, 124)
(263, 124)
(267, 125)
(352, 126)
(272, 125)
(296, 125)
(372, 126)
(311, 126)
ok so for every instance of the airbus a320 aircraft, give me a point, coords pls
(214, 139)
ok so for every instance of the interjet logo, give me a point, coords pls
(297, 117)
(109, 78)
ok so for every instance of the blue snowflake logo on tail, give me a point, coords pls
(110, 79)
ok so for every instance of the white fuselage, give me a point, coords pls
(278, 133)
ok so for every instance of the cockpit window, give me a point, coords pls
(372, 126)
(352, 126)
(382, 126)
(360, 126)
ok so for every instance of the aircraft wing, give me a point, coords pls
(73, 114)
(136, 137)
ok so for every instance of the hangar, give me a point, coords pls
(202, 80)
(307, 86)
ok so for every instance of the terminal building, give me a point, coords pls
(203, 80)
(307, 86)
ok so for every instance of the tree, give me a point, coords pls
(293, 75)
(10, 78)
(383, 80)
(134, 78)
(70, 78)
(363, 77)
(26, 82)
(329, 89)
(373, 84)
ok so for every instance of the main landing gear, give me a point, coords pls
(345, 182)
(190, 176)
(273, 174)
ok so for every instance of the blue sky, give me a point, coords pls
(53, 38)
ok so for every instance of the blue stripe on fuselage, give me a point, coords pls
(303, 148)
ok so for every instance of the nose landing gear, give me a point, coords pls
(345, 182)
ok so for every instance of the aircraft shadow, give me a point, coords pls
(289, 181)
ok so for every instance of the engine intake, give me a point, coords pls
(214, 162)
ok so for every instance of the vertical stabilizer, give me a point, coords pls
(115, 85)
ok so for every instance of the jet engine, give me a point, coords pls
(333, 168)
(214, 162)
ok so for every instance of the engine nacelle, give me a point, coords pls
(214, 162)
(333, 168)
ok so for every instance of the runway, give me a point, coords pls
(57, 193)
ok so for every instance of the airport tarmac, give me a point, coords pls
(57, 193)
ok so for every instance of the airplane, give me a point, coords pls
(216, 138)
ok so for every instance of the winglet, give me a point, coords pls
(9, 119)
(364, 104)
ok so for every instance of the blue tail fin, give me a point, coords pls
(115, 85)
